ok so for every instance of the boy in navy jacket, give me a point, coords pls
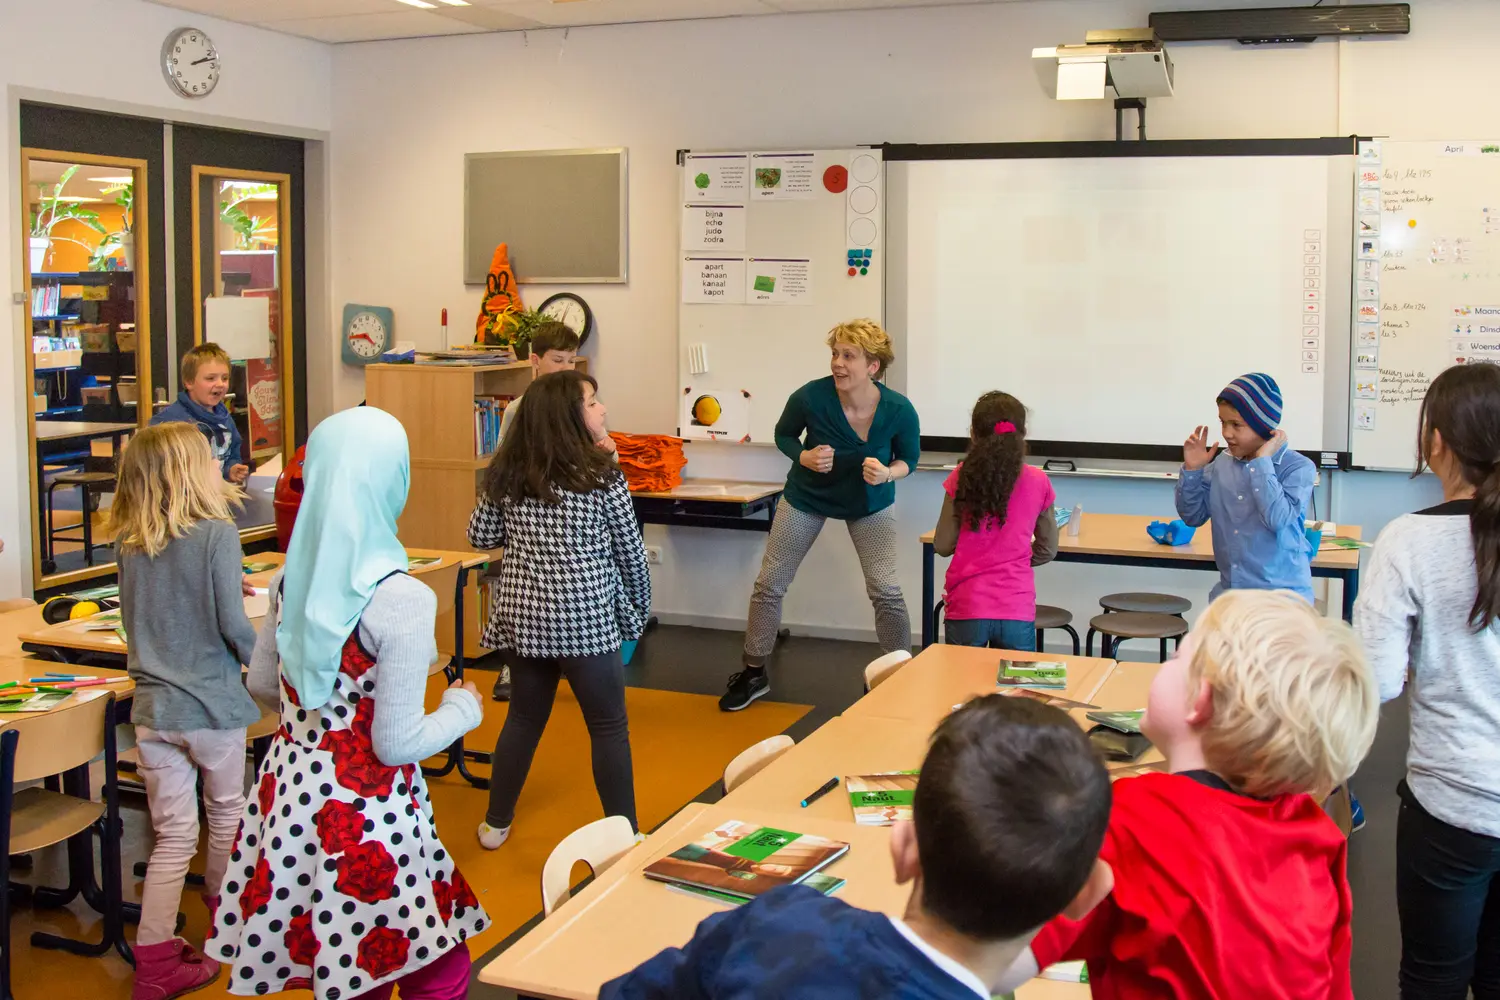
(205, 383)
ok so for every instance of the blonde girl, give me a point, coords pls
(182, 604)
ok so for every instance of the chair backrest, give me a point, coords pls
(64, 738)
(880, 669)
(750, 762)
(444, 583)
(598, 845)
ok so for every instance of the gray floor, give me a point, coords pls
(827, 674)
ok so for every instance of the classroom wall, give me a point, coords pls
(405, 112)
(106, 54)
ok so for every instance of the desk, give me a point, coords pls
(710, 503)
(22, 668)
(626, 918)
(1121, 540)
(927, 687)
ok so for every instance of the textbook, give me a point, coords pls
(1046, 675)
(744, 860)
(41, 701)
(821, 881)
(883, 798)
(1123, 722)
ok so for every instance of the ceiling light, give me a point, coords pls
(420, 3)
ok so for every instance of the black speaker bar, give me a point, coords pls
(1282, 24)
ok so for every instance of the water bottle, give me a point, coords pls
(1075, 519)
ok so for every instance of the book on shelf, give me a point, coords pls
(488, 413)
(882, 798)
(746, 860)
(46, 300)
(821, 881)
(1043, 675)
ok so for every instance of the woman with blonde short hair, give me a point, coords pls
(850, 438)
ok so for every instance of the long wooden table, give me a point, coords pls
(621, 918)
(1121, 540)
(23, 668)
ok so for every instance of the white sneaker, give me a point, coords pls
(490, 838)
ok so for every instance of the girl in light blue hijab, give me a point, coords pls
(320, 892)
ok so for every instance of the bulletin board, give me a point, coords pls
(776, 249)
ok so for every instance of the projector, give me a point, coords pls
(1130, 61)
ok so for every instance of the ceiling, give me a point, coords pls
(369, 20)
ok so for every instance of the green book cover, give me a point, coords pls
(822, 882)
(883, 798)
(1124, 722)
(41, 701)
(746, 860)
(1049, 675)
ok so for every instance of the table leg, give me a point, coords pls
(458, 757)
(929, 573)
(1351, 592)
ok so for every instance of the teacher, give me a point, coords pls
(850, 438)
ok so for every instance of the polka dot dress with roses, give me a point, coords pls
(337, 881)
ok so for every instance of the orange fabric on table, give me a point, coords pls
(650, 461)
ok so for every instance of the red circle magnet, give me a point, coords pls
(836, 179)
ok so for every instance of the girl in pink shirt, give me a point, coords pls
(997, 523)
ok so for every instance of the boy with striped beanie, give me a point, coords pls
(1256, 492)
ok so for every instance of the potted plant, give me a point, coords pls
(248, 229)
(520, 328)
(52, 210)
(125, 238)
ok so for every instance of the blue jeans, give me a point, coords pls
(996, 633)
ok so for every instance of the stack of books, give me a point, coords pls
(468, 356)
(488, 411)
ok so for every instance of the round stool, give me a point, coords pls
(1049, 617)
(1142, 603)
(1115, 627)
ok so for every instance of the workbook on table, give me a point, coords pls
(883, 798)
(746, 860)
(821, 881)
(1123, 722)
(40, 701)
(1043, 675)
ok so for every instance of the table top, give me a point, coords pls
(926, 688)
(723, 490)
(21, 668)
(626, 918)
(53, 430)
(1125, 535)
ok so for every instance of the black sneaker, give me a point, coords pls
(502, 685)
(744, 687)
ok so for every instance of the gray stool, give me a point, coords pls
(1117, 626)
(1140, 603)
(1049, 617)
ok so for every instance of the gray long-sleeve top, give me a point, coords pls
(397, 628)
(184, 613)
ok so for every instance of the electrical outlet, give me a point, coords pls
(653, 555)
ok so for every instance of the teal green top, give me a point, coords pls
(813, 417)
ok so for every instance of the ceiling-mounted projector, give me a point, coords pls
(1131, 61)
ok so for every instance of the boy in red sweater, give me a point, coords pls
(1229, 877)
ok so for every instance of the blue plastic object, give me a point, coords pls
(1314, 541)
(627, 650)
(1170, 532)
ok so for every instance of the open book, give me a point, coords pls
(745, 860)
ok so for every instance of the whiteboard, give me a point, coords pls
(765, 250)
(1116, 295)
(1428, 288)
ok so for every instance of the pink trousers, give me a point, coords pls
(445, 979)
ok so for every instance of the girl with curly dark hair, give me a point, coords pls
(997, 523)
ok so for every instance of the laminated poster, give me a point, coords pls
(778, 281)
(713, 227)
(783, 176)
(713, 280)
(714, 414)
(716, 177)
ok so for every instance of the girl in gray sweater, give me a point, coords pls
(1428, 611)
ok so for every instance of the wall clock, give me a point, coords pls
(369, 331)
(572, 312)
(190, 62)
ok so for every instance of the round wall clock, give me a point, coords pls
(572, 312)
(369, 331)
(190, 62)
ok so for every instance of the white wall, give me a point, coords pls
(106, 54)
(405, 112)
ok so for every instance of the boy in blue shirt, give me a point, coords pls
(205, 383)
(1008, 819)
(1256, 492)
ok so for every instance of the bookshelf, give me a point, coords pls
(436, 404)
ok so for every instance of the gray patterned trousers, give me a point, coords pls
(792, 535)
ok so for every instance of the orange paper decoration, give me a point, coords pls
(502, 296)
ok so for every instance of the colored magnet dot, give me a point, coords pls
(1411, 223)
(852, 271)
(869, 253)
(864, 270)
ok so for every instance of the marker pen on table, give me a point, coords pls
(823, 790)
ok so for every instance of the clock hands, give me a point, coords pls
(205, 59)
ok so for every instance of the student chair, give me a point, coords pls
(882, 667)
(1049, 617)
(1140, 602)
(598, 845)
(1116, 626)
(64, 742)
(90, 486)
(750, 762)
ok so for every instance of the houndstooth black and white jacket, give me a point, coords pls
(573, 580)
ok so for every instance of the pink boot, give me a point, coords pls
(170, 969)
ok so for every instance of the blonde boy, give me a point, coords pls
(205, 383)
(1229, 877)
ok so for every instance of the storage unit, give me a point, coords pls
(96, 311)
(437, 405)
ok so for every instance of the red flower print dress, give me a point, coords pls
(337, 881)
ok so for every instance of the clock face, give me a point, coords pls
(367, 335)
(569, 310)
(190, 62)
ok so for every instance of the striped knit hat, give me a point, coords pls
(1257, 397)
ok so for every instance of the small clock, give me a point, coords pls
(190, 62)
(572, 312)
(369, 331)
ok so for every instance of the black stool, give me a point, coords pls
(1116, 626)
(1048, 617)
(87, 483)
(1140, 603)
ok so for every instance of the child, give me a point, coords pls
(573, 587)
(1428, 607)
(1257, 494)
(182, 603)
(338, 881)
(1229, 877)
(997, 523)
(205, 382)
(1007, 822)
